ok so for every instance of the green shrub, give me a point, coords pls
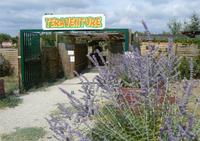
(5, 67)
(114, 124)
(184, 68)
(197, 67)
(10, 101)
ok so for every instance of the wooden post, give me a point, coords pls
(72, 58)
(56, 39)
(2, 90)
(19, 64)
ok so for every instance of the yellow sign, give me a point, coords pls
(73, 22)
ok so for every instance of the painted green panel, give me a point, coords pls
(30, 59)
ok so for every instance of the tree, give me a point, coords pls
(4, 37)
(165, 33)
(14, 39)
(174, 26)
(193, 24)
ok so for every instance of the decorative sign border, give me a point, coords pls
(73, 22)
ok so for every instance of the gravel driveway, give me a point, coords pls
(38, 105)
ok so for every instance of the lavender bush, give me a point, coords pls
(156, 108)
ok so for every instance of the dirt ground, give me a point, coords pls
(37, 105)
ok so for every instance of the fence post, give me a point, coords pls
(2, 90)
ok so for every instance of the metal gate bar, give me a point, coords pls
(30, 56)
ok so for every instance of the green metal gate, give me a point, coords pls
(30, 53)
(31, 59)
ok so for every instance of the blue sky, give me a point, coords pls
(22, 14)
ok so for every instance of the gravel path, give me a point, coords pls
(37, 105)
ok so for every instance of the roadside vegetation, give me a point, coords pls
(25, 134)
(10, 101)
(10, 81)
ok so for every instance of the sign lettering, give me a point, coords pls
(73, 22)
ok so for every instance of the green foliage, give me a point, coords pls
(184, 68)
(4, 37)
(15, 41)
(10, 101)
(188, 41)
(126, 82)
(5, 67)
(165, 33)
(10, 83)
(174, 26)
(49, 40)
(10, 86)
(182, 40)
(25, 134)
(117, 124)
(196, 62)
(193, 24)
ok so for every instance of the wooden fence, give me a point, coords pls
(179, 49)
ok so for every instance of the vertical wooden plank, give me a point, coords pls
(19, 63)
(25, 58)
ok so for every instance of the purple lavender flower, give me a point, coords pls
(191, 68)
(186, 95)
(152, 76)
(146, 30)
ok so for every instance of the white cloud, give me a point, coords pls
(20, 14)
